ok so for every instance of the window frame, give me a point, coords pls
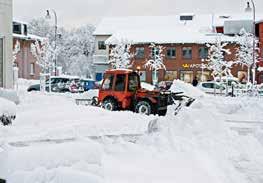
(199, 52)
(102, 45)
(139, 48)
(188, 48)
(171, 49)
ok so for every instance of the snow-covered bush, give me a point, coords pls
(16, 50)
(120, 56)
(155, 62)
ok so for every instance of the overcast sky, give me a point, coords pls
(73, 13)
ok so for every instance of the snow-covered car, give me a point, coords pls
(211, 87)
(59, 84)
(7, 111)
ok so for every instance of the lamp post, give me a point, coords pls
(253, 9)
(48, 16)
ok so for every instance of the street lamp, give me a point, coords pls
(253, 9)
(48, 16)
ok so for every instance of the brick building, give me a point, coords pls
(184, 37)
(25, 61)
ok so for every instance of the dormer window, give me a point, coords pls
(17, 29)
(25, 29)
(186, 17)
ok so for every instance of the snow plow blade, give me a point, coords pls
(93, 101)
(180, 100)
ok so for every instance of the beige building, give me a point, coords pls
(6, 44)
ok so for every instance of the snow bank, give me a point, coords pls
(9, 95)
(7, 108)
(147, 86)
(46, 162)
(187, 89)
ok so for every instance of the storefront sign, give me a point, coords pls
(199, 66)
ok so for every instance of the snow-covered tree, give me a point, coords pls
(155, 62)
(74, 47)
(216, 60)
(244, 52)
(16, 50)
(120, 55)
(44, 53)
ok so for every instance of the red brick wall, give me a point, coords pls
(24, 59)
(176, 64)
(260, 74)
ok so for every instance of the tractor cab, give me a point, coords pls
(121, 89)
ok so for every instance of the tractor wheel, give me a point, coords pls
(143, 107)
(109, 104)
(162, 112)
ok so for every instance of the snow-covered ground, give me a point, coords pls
(53, 140)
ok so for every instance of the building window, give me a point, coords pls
(17, 28)
(203, 76)
(187, 52)
(101, 45)
(139, 53)
(186, 17)
(1, 61)
(142, 76)
(155, 51)
(25, 29)
(171, 53)
(187, 76)
(32, 69)
(203, 52)
(170, 75)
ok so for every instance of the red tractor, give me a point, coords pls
(121, 90)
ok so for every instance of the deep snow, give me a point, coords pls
(48, 142)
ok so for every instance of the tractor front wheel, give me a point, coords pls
(143, 107)
(109, 104)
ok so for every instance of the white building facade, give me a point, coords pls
(6, 44)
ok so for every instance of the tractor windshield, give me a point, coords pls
(133, 82)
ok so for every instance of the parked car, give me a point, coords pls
(88, 84)
(58, 84)
(211, 87)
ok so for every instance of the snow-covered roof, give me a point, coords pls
(28, 37)
(162, 36)
(166, 29)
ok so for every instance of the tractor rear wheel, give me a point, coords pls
(143, 107)
(109, 104)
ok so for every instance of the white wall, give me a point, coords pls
(6, 16)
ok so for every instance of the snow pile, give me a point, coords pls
(7, 108)
(9, 95)
(187, 89)
(147, 86)
(67, 162)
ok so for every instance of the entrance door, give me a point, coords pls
(1, 62)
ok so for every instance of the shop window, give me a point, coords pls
(170, 75)
(187, 52)
(171, 53)
(142, 76)
(203, 52)
(203, 76)
(101, 45)
(187, 76)
(139, 53)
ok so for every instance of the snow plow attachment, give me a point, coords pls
(92, 101)
(180, 100)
